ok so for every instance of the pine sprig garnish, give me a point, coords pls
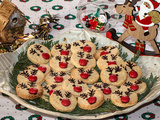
(136, 56)
(49, 44)
(123, 55)
(150, 82)
(93, 40)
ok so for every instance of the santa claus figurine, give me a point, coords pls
(143, 19)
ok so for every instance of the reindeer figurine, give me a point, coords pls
(134, 29)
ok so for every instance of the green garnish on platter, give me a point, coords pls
(107, 106)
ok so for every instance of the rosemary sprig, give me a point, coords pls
(49, 44)
(93, 40)
(136, 56)
(123, 55)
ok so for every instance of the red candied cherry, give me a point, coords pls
(65, 102)
(103, 53)
(125, 99)
(92, 99)
(63, 64)
(107, 91)
(77, 89)
(51, 91)
(112, 63)
(45, 55)
(133, 74)
(134, 87)
(64, 52)
(58, 79)
(84, 75)
(33, 90)
(42, 68)
(87, 49)
(32, 78)
(113, 78)
(83, 62)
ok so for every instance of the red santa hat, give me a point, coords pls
(154, 4)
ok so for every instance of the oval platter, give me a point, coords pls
(149, 64)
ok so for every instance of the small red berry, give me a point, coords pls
(133, 74)
(58, 79)
(113, 78)
(103, 53)
(92, 99)
(45, 55)
(112, 63)
(32, 78)
(42, 68)
(84, 75)
(107, 91)
(83, 62)
(33, 90)
(64, 52)
(65, 102)
(63, 64)
(87, 49)
(77, 89)
(125, 99)
(134, 87)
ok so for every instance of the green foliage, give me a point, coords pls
(136, 56)
(93, 40)
(123, 55)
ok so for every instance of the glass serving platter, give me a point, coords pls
(149, 64)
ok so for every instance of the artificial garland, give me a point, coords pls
(107, 106)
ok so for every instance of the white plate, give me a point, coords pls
(149, 64)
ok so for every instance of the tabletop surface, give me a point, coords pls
(34, 9)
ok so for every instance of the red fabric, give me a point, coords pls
(128, 22)
(145, 21)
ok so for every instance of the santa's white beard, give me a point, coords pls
(143, 10)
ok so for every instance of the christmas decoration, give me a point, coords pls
(140, 46)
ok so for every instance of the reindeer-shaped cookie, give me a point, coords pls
(132, 28)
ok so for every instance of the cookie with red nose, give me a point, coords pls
(105, 88)
(87, 75)
(137, 86)
(56, 77)
(61, 49)
(134, 71)
(44, 68)
(83, 46)
(83, 60)
(31, 75)
(61, 63)
(75, 86)
(90, 99)
(114, 75)
(29, 91)
(106, 50)
(124, 98)
(63, 100)
(109, 60)
(38, 54)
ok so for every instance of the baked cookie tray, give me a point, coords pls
(149, 64)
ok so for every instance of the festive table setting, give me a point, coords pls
(103, 23)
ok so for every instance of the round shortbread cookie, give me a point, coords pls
(90, 99)
(137, 86)
(105, 88)
(87, 75)
(83, 46)
(61, 63)
(63, 100)
(48, 89)
(83, 60)
(45, 68)
(56, 77)
(75, 86)
(38, 54)
(106, 50)
(124, 98)
(114, 75)
(61, 49)
(108, 60)
(29, 91)
(31, 75)
(134, 71)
